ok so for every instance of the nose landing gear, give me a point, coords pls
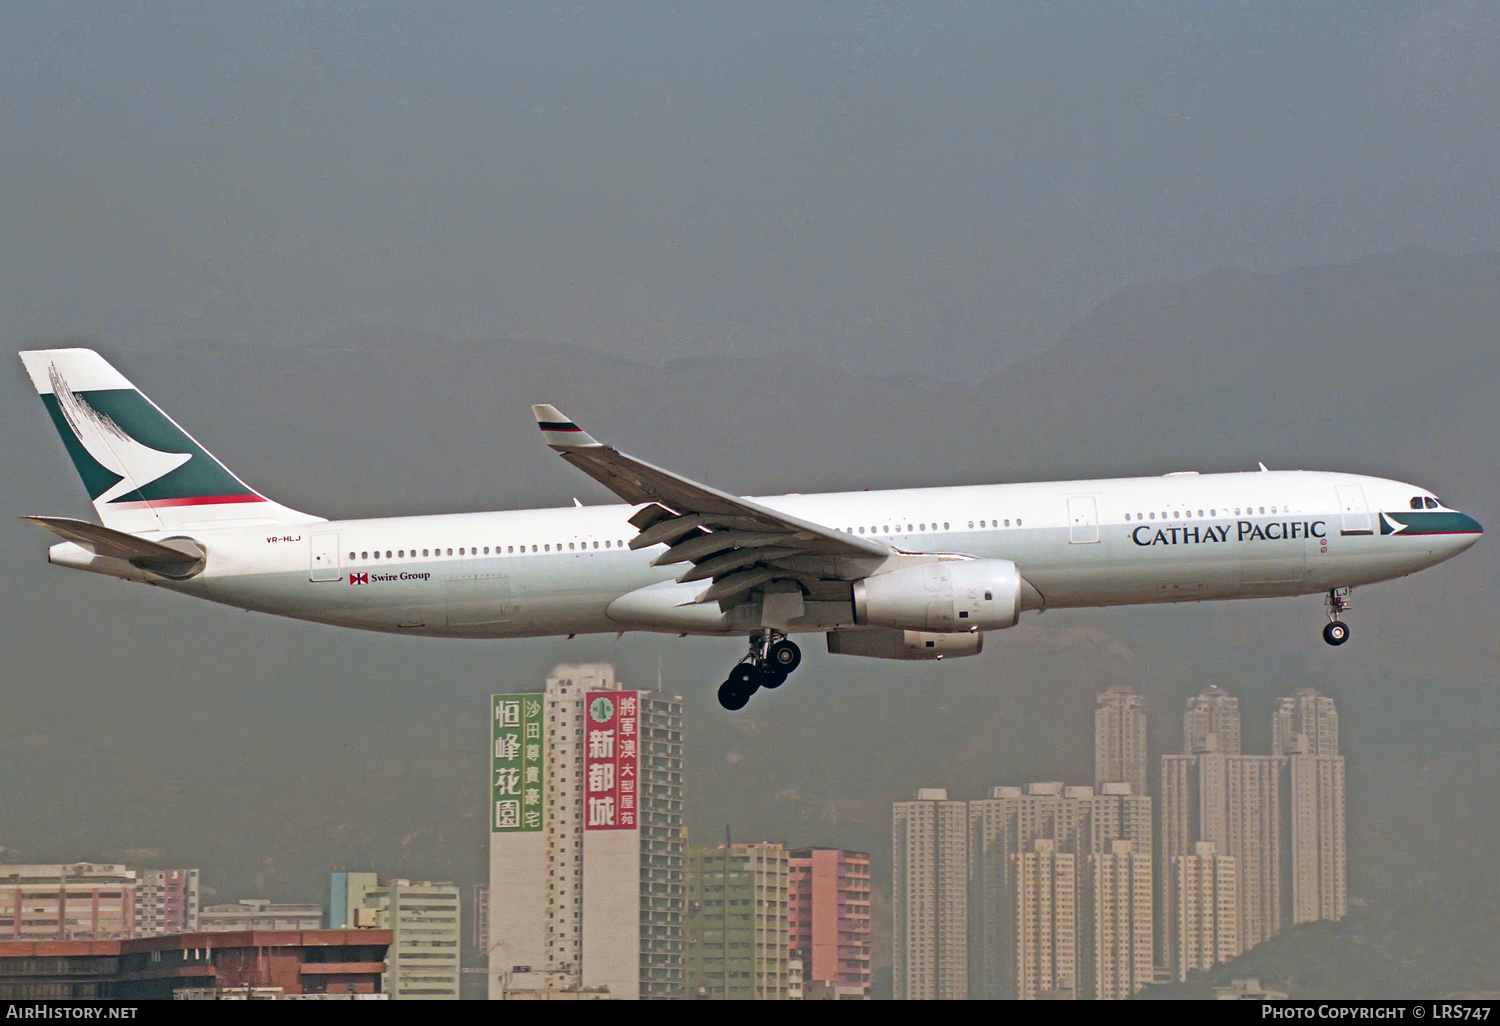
(771, 659)
(1337, 632)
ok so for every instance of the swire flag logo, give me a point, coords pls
(359, 578)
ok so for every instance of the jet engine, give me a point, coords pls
(881, 643)
(949, 597)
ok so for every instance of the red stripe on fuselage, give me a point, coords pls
(190, 500)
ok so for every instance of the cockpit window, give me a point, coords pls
(1433, 503)
(1416, 502)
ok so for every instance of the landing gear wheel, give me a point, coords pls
(746, 678)
(784, 656)
(732, 697)
(772, 678)
(771, 659)
(1336, 633)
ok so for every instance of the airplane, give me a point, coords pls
(918, 573)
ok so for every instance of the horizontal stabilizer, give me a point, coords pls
(176, 557)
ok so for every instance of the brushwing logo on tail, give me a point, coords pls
(135, 464)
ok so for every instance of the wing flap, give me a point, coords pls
(736, 584)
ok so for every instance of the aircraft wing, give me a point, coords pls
(737, 543)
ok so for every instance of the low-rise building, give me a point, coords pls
(73, 901)
(260, 914)
(425, 930)
(288, 963)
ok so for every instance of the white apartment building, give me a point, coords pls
(587, 887)
(930, 897)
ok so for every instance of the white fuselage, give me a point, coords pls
(1181, 537)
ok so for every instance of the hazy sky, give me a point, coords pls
(890, 186)
(851, 180)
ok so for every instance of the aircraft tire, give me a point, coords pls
(745, 677)
(1336, 633)
(785, 656)
(772, 678)
(732, 697)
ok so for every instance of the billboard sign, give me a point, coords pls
(516, 763)
(611, 760)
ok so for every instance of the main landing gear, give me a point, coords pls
(771, 659)
(1337, 631)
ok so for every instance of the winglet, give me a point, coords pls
(559, 431)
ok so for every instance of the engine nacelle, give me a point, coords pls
(880, 643)
(957, 595)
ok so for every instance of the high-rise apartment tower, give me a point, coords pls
(930, 897)
(587, 888)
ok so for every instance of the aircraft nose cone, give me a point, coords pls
(1469, 530)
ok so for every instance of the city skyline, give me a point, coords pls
(1034, 891)
(1055, 891)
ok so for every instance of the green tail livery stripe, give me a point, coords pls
(1428, 523)
(125, 419)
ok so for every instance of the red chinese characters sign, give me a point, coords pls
(611, 763)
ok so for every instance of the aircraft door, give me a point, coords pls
(1356, 515)
(479, 600)
(1083, 520)
(323, 558)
